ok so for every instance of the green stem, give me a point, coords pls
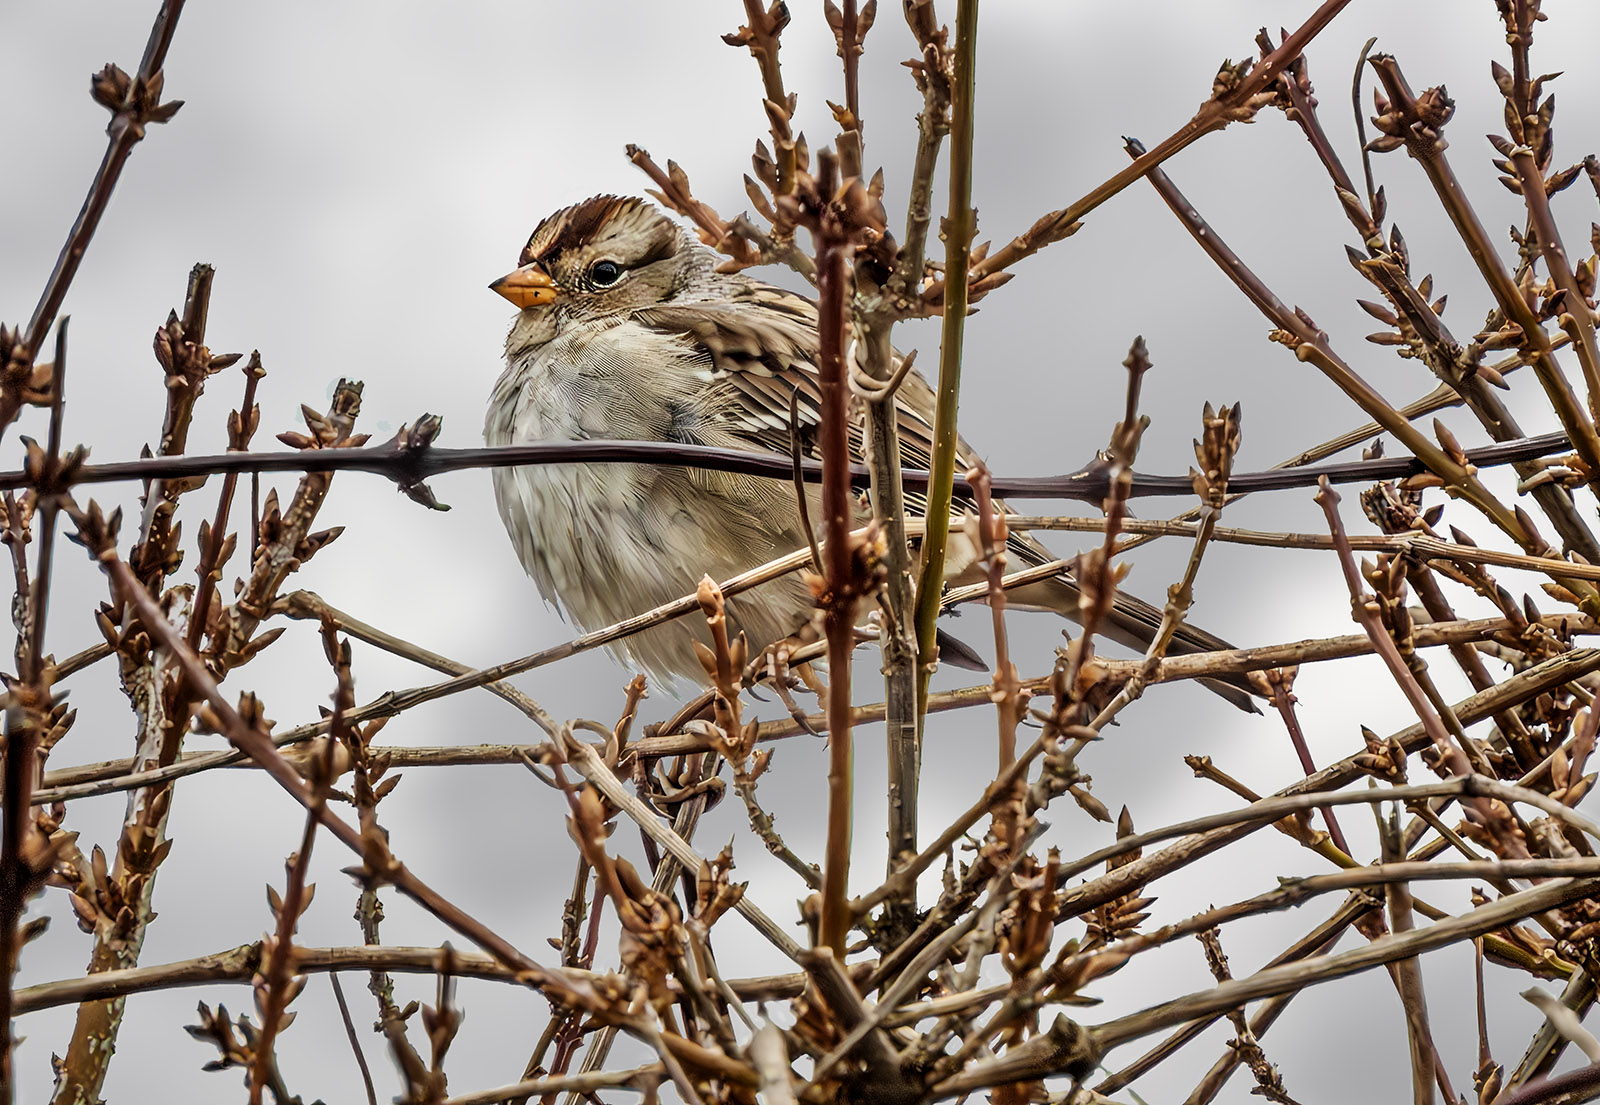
(959, 227)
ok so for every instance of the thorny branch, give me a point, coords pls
(409, 460)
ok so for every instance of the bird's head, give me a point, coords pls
(603, 257)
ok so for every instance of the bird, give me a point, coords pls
(627, 330)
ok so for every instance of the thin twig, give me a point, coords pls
(350, 1034)
(258, 746)
(1233, 99)
(588, 763)
(585, 1083)
(137, 104)
(1387, 949)
(1423, 142)
(28, 702)
(1296, 330)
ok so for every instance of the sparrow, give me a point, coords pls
(626, 330)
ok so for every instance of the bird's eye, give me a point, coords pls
(604, 273)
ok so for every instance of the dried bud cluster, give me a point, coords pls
(132, 101)
(1416, 122)
(1214, 452)
(21, 380)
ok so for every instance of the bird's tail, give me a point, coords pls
(1134, 623)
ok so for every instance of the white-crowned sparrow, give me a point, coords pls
(626, 331)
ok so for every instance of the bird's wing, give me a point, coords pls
(769, 355)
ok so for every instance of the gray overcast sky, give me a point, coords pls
(359, 172)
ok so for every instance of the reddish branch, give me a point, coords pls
(1387, 267)
(1298, 332)
(840, 593)
(1449, 752)
(1406, 119)
(25, 858)
(1237, 94)
(134, 102)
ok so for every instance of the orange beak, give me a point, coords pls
(529, 286)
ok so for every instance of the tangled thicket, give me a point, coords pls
(908, 991)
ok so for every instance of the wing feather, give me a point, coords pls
(765, 356)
